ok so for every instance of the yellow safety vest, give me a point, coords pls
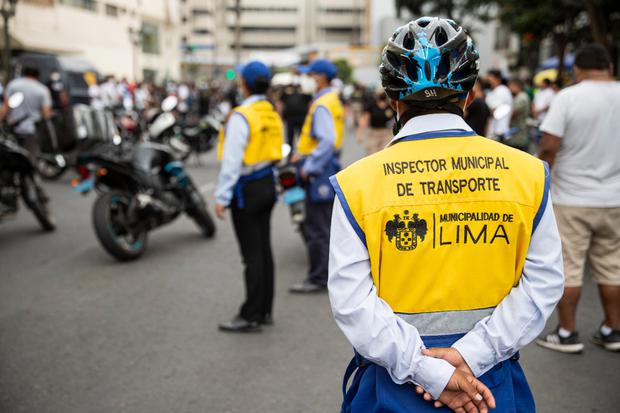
(447, 219)
(266, 133)
(330, 100)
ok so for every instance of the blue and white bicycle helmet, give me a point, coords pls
(429, 60)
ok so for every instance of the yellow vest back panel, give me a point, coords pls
(266, 133)
(447, 222)
(307, 143)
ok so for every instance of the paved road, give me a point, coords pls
(80, 332)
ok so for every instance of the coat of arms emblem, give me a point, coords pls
(406, 230)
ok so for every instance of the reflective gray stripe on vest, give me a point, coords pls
(445, 322)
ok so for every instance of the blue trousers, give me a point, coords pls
(316, 234)
(372, 388)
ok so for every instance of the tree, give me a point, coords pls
(345, 71)
(537, 19)
(604, 16)
(566, 22)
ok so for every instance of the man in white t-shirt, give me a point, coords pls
(542, 100)
(582, 142)
(499, 98)
(110, 97)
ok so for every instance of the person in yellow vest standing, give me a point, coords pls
(445, 257)
(248, 149)
(317, 153)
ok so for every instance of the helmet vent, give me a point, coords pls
(408, 42)
(440, 37)
(444, 66)
(393, 59)
(423, 23)
(427, 70)
(411, 67)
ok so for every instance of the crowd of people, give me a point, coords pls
(109, 92)
(523, 107)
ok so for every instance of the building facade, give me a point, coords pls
(135, 39)
(212, 34)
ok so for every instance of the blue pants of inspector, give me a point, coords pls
(372, 388)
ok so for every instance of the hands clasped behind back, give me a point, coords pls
(463, 393)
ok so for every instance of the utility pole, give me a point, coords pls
(237, 32)
(135, 37)
(8, 11)
(216, 16)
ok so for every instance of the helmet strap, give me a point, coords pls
(396, 126)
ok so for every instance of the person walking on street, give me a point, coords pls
(317, 154)
(542, 100)
(376, 118)
(581, 143)
(37, 105)
(445, 258)
(295, 107)
(520, 111)
(248, 149)
(499, 98)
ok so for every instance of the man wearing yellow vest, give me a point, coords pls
(445, 258)
(248, 149)
(319, 144)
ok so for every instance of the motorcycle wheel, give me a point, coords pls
(109, 212)
(36, 201)
(198, 212)
(50, 170)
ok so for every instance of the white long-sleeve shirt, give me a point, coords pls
(382, 337)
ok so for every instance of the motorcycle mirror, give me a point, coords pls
(501, 111)
(286, 150)
(16, 99)
(169, 103)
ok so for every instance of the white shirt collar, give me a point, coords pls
(431, 123)
(253, 98)
(322, 92)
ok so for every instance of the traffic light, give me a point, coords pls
(230, 74)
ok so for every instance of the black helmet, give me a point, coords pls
(429, 60)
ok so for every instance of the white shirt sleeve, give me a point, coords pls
(522, 314)
(368, 322)
(236, 140)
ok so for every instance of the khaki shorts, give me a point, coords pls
(592, 234)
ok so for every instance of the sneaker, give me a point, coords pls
(609, 342)
(553, 341)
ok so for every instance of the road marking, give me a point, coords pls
(207, 187)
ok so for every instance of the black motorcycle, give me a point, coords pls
(139, 192)
(185, 134)
(18, 178)
(201, 136)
